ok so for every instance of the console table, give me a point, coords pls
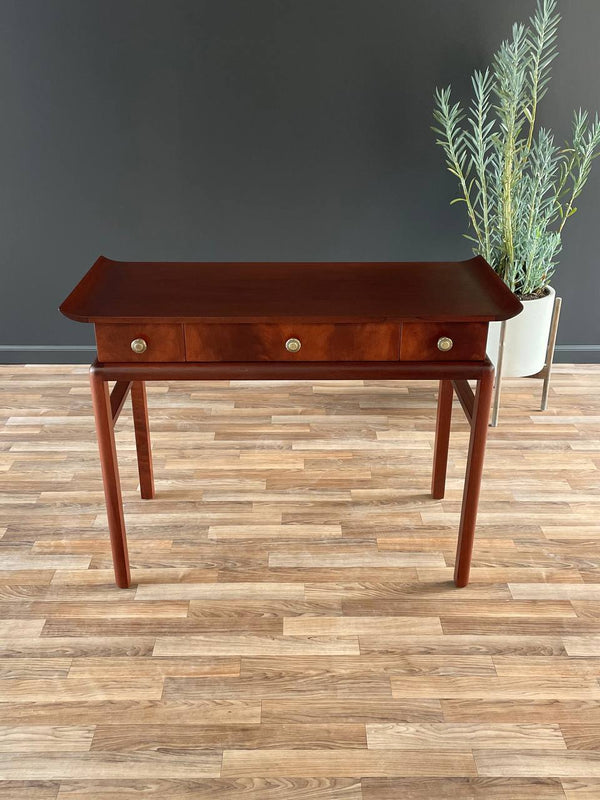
(305, 321)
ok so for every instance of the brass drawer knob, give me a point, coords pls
(445, 343)
(293, 345)
(139, 346)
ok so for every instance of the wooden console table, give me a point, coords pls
(305, 321)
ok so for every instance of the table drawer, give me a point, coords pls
(443, 341)
(140, 342)
(290, 342)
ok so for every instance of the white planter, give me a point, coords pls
(526, 338)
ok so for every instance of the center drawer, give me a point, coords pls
(214, 341)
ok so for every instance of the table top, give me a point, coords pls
(122, 291)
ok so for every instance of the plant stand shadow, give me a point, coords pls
(543, 374)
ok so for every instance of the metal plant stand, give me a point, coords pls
(544, 373)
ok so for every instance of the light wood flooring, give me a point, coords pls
(293, 631)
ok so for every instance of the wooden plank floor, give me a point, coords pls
(293, 631)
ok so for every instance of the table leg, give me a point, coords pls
(468, 517)
(110, 476)
(442, 438)
(142, 438)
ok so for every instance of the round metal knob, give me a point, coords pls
(139, 346)
(445, 343)
(293, 345)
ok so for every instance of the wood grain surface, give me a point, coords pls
(292, 629)
(254, 292)
(267, 342)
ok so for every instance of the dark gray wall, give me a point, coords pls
(249, 129)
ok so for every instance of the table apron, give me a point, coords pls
(304, 371)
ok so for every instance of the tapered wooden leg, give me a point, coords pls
(442, 438)
(468, 517)
(142, 439)
(110, 476)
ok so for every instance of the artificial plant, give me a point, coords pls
(519, 187)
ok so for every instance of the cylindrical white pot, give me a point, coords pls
(526, 338)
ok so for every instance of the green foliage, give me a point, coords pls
(519, 188)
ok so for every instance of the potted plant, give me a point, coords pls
(519, 188)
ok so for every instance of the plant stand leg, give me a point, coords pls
(139, 404)
(545, 373)
(468, 516)
(103, 413)
(442, 439)
(498, 383)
